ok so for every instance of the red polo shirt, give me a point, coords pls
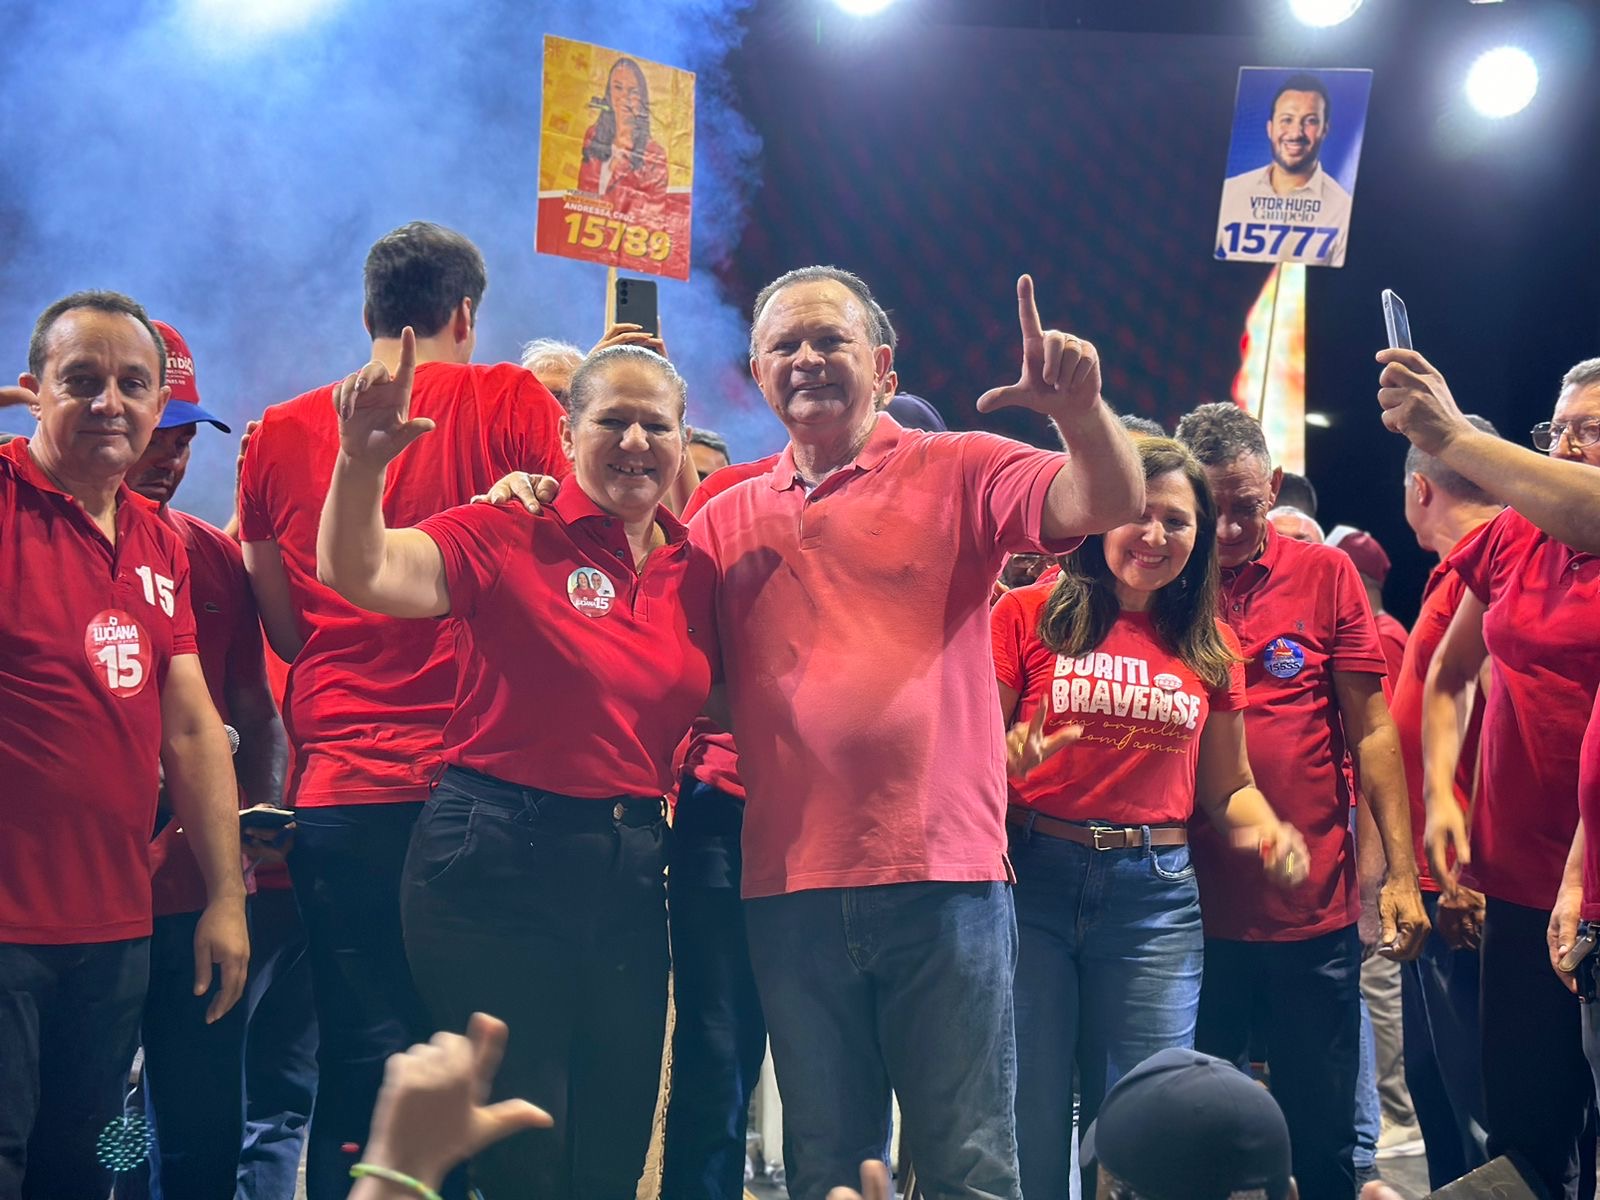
(854, 619)
(1141, 707)
(228, 635)
(1300, 612)
(1440, 599)
(710, 755)
(1540, 631)
(369, 695)
(623, 661)
(1589, 809)
(87, 633)
(1392, 636)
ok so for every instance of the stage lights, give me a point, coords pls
(1502, 81)
(1320, 14)
(863, 8)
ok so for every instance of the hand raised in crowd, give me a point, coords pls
(1417, 402)
(1402, 921)
(534, 491)
(1060, 372)
(222, 939)
(1027, 745)
(431, 1112)
(250, 428)
(15, 396)
(1561, 935)
(374, 408)
(874, 1184)
(1459, 918)
(622, 333)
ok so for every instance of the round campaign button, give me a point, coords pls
(1283, 658)
(119, 652)
(590, 591)
(1168, 683)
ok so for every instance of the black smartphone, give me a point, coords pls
(636, 304)
(265, 816)
(1396, 321)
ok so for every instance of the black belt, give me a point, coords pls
(1096, 837)
(571, 812)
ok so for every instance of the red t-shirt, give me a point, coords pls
(710, 755)
(1141, 707)
(1300, 612)
(228, 635)
(369, 695)
(624, 661)
(1540, 631)
(1392, 637)
(1440, 599)
(1589, 809)
(87, 633)
(854, 619)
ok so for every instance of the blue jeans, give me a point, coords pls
(346, 866)
(280, 1054)
(1108, 972)
(720, 1036)
(1439, 1008)
(1312, 995)
(1369, 1111)
(907, 986)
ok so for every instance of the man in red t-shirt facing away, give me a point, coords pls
(368, 696)
(193, 1072)
(1439, 991)
(1314, 672)
(100, 689)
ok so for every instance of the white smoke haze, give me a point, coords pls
(229, 162)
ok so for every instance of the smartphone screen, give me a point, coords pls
(636, 303)
(1396, 321)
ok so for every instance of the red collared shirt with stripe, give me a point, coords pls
(579, 675)
(88, 632)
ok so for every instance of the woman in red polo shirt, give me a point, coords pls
(1124, 650)
(534, 885)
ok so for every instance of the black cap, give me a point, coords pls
(1186, 1126)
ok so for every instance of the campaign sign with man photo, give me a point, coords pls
(1292, 165)
(616, 159)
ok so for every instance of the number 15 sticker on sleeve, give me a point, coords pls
(119, 652)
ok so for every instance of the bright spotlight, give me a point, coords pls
(227, 22)
(1321, 13)
(863, 8)
(1502, 81)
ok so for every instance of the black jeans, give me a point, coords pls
(720, 1036)
(550, 913)
(193, 1075)
(69, 1023)
(1537, 1088)
(1312, 993)
(346, 867)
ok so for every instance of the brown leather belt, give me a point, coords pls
(1096, 837)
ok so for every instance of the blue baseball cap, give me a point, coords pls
(184, 406)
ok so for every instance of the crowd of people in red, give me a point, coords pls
(982, 775)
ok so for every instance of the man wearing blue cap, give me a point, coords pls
(193, 1070)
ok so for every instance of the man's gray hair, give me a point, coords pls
(1217, 434)
(587, 378)
(878, 326)
(1452, 483)
(711, 438)
(1581, 375)
(542, 352)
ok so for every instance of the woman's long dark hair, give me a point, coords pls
(1083, 606)
(605, 128)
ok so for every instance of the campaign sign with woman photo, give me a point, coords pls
(616, 159)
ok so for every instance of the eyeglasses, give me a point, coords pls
(1547, 434)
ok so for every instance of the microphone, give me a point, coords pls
(233, 738)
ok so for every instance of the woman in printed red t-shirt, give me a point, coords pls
(1124, 658)
(534, 886)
